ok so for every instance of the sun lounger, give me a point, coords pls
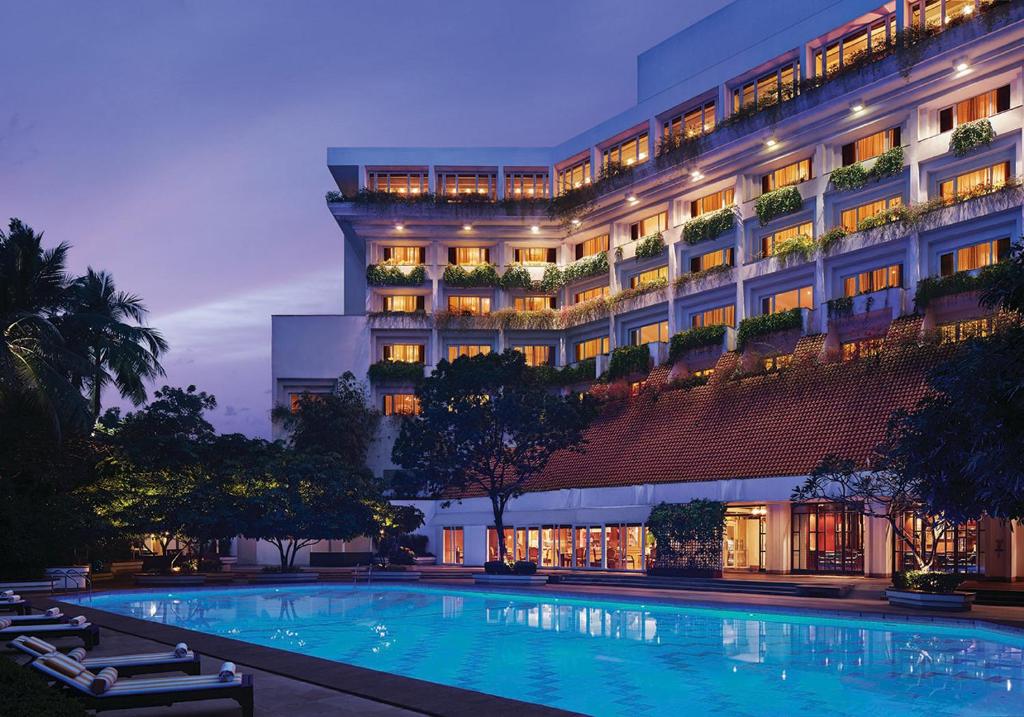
(184, 660)
(51, 616)
(19, 605)
(104, 691)
(77, 627)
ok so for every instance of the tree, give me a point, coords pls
(487, 424)
(339, 422)
(104, 326)
(392, 522)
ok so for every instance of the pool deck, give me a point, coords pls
(287, 682)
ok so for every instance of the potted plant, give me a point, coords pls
(521, 572)
(930, 590)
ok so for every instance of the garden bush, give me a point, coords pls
(517, 277)
(709, 226)
(524, 567)
(395, 371)
(801, 246)
(971, 135)
(830, 238)
(768, 324)
(851, 177)
(497, 567)
(778, 203)
(628, 360)
(650, 246)
(694, 338)
(390, 275)
(483, 275)
(926, 581)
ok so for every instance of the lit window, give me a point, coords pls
(453, 544)
(401, 404)
(403, 255)
(777, 363)
(964, 330)
(469, 305)
(780, 84)
(403, 304)
(537, 355)
(407, 183)
(627, 152)
(975, 108)
(712, 202)
(771, 242)
(851, 218)
(479, 184)
(534, 255)
(534, 303)
(786, 176)
(871, 146)
(692, 123)
(718, 316)
(650, 276)
(704, 373)
(883, 277)
(974, 256)
(933, 16)
(977, 181)
(635, 387)
(649, 226)
(720, 257)
(649, 333)
(591, 348)
(598, 292)
(470, 350)
(526, 184)
(802, 298)
(573, 176)
(594, 245)
(409, 353)
(469, 255)
(863, 349)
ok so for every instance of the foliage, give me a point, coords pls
(764, 324)
(580, 372)
(853, 176)
(340, 422)
(394, 523)
(650, 246)
(584, 312)
(934, 287)
(510, 318)
(555, 278)
(1004, 287)
(891, 215)
(524, 567)
(487, 424)
(481, 275)
(830, 239)
(694, 277)
(778, 203)
(694, 338)
(840, 307)
(691, 382)
(392, 275)
(515, 277)
(971, 135)
(635, 291)
(709, 226)
(628, 361)
(888, 164)
(698, 520)
(399, 371)
(497, 567)
(25, 693)
(926, 581)
(801, 246)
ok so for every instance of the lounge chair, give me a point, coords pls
(114, 694)
(51, 616)
(179, 659)
(15, 603)
(77, 627)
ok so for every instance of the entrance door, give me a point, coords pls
(827, 539)
(743, 538)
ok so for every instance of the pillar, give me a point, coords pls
(778, 534)
(877, 548)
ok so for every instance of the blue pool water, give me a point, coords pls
(605, 657)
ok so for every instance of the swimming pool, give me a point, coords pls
(607, 657)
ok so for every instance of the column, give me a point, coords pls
(877, 548)
(500, 179)
(722, 103)
(673, 273)
(778, 534)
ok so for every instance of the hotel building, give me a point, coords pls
(815, 160)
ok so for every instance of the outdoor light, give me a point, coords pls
(961, 64)
(467, 227)
(770, 142)
(631, 198)
(696, 176)
(968, 9)
(576, 222)
(535, 229)
(399, 227)
(856, 106)
(629, 161)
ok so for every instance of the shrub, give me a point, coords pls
(25, 693)
(801, 246)
(694, 338)
(840, 307)
(970, 135)
(694, 276)
(416, 542)
(628, 360)
(402, 555)
(552, 280)
(390, 275)
(926, 581)
(650, 246)
(510, 318)
(851, 177)
(555, 278)
(888, 164)
(524, 567)
(518, 277)
(768, 324)
(934, 287)
(482, 275)
(635, 291)
(709, 226)
(584, 312)
(395, 371)
(778, 203)
(582, 372)
(830, 238)
(497, 567)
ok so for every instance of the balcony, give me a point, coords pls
(399, 320)
(395, 372)
(865, 315)
(713, 278)
(639, 298)
(770, 334)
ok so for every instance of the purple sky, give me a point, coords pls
(181, 145)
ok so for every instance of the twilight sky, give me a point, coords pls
(181, 145)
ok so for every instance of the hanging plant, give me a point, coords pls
(628, 361)
(482, 275)
(778, 203)
(694, 338)
(768, 324)
(971, 135)
(651, 246)
(391, 275)
(830, 238)
(800, 246)
(516, 277)
(709, 226)
(888, 164)
(851, 177)
(840, 307)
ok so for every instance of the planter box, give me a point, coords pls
(170, 580)
(426, 560)
(958, 601)
(488, 579)
(226, 562)
(122, 567)
(283, 578)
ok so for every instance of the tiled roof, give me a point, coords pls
(775, 424)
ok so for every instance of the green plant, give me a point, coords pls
(840, 307)
(650, 246)
(334, 196)
(481, 275)
(524, 567)
(391, 275)
(690, 382)
(801, 246)
(852, 177)
(889, 216)
(699, 520)
(695, 276)
(395, 371)
(628, 361)
(926, 581)
(694, 338)
(582, 372)
(934, 287)
(635, 291)
(830, 238)
(888, 164)
(25, 693)
(778, 203)
(970, 135)
(768, 324)
(584, 312)
(552, 280)
(510, 318)
(555, 278)
(709, 226)
(517, 277)
(497, 567)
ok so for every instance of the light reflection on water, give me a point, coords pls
(609, 658)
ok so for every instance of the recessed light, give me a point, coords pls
(961, 64)
(770, 142)
(535, 229)
(576, 222)
(696, 176)
(856, 106)
(631, 198)
(399, 227)
(467, 227)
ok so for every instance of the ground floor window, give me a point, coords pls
(556, 546)
(616, 546)
(623, 547)
(957, 550)
(743, 542)
(827, 538)
(453, 546)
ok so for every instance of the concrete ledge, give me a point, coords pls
(170, 580)
(958, 601)
(488, 579)
(283, 578)
(381, 576)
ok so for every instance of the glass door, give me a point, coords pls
(827, 538)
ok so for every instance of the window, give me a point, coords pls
(933, 12)
(780, 84)
(294, 399)
(875, 40)
(574, 176)
(403, 304)
(414, 182)
(964, 330)
(598, 292)
(410, 353)
(594, 245)
(556, 546)
(469, 255)
(973, 256)
(646, 227)
(469, 305)
(871, 146)
(692, 123)
(534, 303)
(957, 549)
(453, 183)
(787, 176)
(851, 218)
(623, 547)
(649, 333)
(535, 255)
(404, 255)
(493, 552)
(975, 108)
(802, 298)
(976, 181)
(401, 404)
(526, 184)
(537, 355)
(712, 202)
(718, 316)
(649, 277)
(591, 348)
(627, 152)
(452, 546)
(863, 349)
(722, 257)
(771, 242)
(704, 373)
(883, 277)
(777, 363)
(470, 350)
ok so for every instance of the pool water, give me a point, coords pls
(605, 657)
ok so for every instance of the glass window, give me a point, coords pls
(871, 146)
(802, 298)
(556, 546)
(771, 242)
(534, 303)
(863, 349)
(977, 181)
(594, 245)
(777, 363)
(933, 16)
(627, 152)
(787, 176)
(469, 305)
(534, 255)
(453, 540)
(963, 330)
(540, 355)
(471, 350)
(975, 108)
(851, 218)
(574, 176)
(883, 277)
(492, 543)
(649, 333)
(401, 404)
(410, 353)
(650, 276)
(403, 255)
(414, 182)
(957, 548)
(454, 184)
(526, 184)
(711, 259)
(598, 292)
(692, 123)
(403, 304)
(780, 84)
(718, 316)
(590, 348)
(469, 255)
(646, 227)
(826, 538)
(712, 202)
(974, 256)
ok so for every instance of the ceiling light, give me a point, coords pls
(961, 64)
(770, 142)
(535, 229)
(856, 106)
(467, 227)
(631, 198)
(576, 222)
(968, 9)
(399, 227)
(696, 176)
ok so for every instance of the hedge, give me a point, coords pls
(778, 203)
(517, 277)
(482, 275)
(650, 246)
(25, 693)
(395, 371)
(709, 226)
(628, 360)
(970, 135)
(391, 275)
(768, 324)
(694, 338)
(927, 581)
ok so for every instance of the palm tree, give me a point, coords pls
(105, 326)
(35, 362)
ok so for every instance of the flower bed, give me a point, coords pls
(634, 292)
(933, 287)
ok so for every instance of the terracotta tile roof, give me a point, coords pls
(777, 424)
